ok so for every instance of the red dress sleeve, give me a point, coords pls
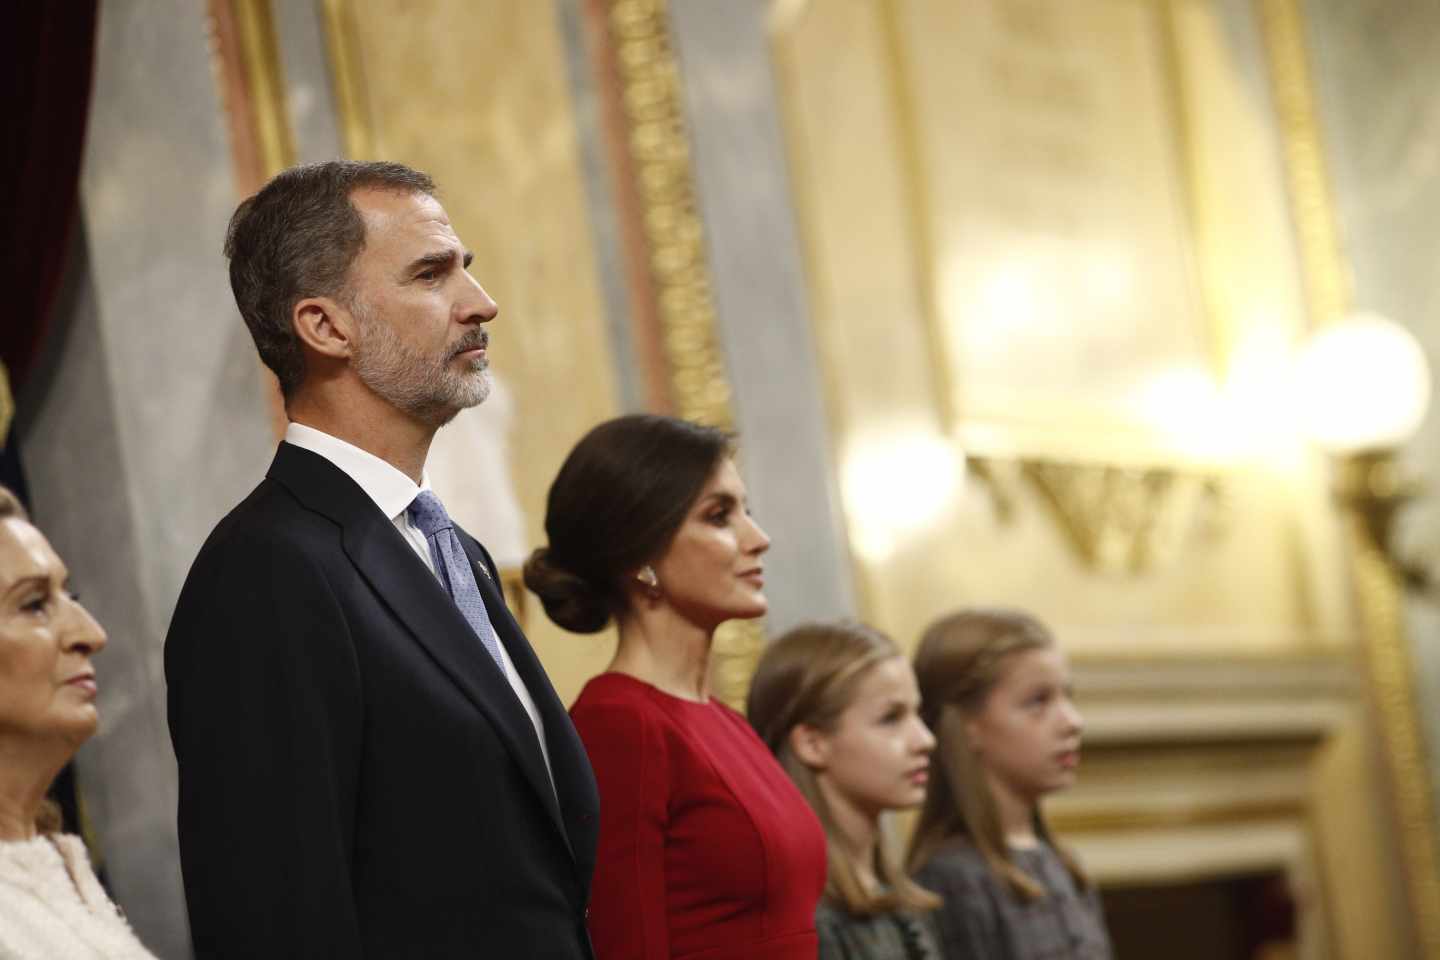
(627, 915)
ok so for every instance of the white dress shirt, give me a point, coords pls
(393, 492)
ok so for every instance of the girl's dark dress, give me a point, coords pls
(983, 919)
(885, 936)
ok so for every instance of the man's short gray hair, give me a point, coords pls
(296, 238)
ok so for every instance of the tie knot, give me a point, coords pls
(428, 513)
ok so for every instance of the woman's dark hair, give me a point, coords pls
(614, 506)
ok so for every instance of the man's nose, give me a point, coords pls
(477, 306)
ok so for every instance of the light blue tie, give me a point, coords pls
(452, 566)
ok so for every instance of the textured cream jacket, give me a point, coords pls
(53, 908)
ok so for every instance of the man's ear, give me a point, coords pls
(811, 745)
(324, 326)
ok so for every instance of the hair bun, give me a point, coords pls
(569, 599)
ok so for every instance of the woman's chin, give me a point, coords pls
(78, 725)
(756, 608)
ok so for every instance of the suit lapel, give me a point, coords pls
(418, 600)
(569, 763)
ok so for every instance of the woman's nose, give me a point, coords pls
(759, 539)
(83, 633)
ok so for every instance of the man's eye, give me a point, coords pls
(35, 604)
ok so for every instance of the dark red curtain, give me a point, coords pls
(47, 53)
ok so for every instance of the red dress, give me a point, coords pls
(707, 849)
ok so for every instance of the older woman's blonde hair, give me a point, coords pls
(959, 661)
(809, 676)
(48, 819)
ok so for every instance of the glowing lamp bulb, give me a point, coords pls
(1362, 384)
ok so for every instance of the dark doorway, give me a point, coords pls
(1244, 917)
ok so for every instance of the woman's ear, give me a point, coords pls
(810, 745)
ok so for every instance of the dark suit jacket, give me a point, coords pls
(357, 778)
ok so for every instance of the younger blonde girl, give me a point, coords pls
(997, 693)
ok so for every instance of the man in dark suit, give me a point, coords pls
(372, 761)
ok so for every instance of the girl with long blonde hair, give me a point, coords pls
(996, 690)
(838, 705)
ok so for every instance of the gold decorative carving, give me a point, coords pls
(1327, 286)
(658, 145)
(659, 149)
(1116, 519)
(341, 41)
(1378, 582)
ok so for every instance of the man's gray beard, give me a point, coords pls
(426, 389)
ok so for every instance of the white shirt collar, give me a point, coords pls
(391, 490)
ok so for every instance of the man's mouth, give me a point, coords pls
(472, 347)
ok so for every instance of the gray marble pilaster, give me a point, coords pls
(601, 204)
(309, 80)
(764, 319)
(149, 420)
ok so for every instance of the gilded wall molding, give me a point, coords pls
(260, 50)
(1123, 520)
(245, 57)
(1117, 520)
(1382, 628)
(1317, 236)
(356, 127)
(245, 61)
(1392, 682)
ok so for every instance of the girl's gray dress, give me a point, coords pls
(983, 919)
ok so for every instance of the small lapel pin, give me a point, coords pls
(481, 567)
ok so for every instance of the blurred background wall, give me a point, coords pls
(1001, 296)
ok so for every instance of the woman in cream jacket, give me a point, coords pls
(51, 905)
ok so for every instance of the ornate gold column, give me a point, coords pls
(1368, 505)
(1367, 489)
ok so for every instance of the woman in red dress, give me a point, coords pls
(707, 849)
